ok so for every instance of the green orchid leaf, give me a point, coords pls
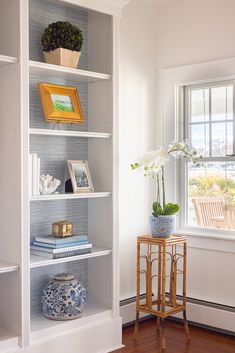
(171, 208)
(157, 209)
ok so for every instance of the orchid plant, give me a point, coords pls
(153, 163)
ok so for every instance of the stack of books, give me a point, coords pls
(56, 248)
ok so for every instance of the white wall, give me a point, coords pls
(191, 32)
(178, 33)
(137, 130)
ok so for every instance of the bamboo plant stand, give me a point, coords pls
(161, 262)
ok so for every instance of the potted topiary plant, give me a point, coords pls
(162, 220)
(62, 43)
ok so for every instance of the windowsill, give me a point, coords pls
(219, 242)
(208, 234)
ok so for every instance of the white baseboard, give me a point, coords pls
(217, 318)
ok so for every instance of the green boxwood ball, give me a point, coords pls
(62, 34)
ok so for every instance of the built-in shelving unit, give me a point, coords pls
(39, 261)
(8, 267)
(42, 69)
(8, 342)
(24, 131)
(10, 121)
(67, 133)
(41, 327)
(6, 60)
(70, 196)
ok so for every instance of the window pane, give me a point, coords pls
(199, 103)
(222, 103)
(199, 137)
(230, 102)
(222, 139)
(210, 185)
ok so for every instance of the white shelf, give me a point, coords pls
(8, 267)
(6, 60)
(70, 196)
(86, 134)
(8, 341)
(39, 261)
(43, 327)
(39, 68)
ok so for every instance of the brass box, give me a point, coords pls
(62, 229)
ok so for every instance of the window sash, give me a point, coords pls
(210, 122)
(184, 200)
(184, 224)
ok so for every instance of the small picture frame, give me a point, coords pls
(61, 104)
(80, 176)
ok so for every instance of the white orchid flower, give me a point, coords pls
(152, 162)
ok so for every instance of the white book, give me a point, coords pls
(30, 175)
(38, 174)
(34, 173)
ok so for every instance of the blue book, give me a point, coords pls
(60, 246)
(61, 250)
(50, 239)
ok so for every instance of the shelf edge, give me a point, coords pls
(8, 59)
(70, 196)
(48, 262)
(67, 70)
(84, 134)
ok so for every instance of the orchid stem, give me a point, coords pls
(158, 190)
(163, 190)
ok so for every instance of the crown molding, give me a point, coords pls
(111, 7)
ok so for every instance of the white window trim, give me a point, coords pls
(183, 199)
(173, 81)
(182, 173)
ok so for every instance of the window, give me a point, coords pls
(209, 125)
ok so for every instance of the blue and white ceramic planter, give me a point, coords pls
(63, 298)
(162, 226)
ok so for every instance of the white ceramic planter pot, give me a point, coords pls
(62, 57)
(162, 226)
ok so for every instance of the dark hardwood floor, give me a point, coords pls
(202, 341)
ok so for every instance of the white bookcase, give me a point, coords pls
(23, 130)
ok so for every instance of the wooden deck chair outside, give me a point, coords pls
(229, 216)
(206, 208)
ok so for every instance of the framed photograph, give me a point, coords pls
(61, 104)
(80, 176)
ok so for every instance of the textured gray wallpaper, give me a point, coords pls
(41, 276)
(44, 12)
(54, 151)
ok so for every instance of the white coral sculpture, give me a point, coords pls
(48, 185)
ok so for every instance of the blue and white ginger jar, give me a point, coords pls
(63, 298)
(162, 226)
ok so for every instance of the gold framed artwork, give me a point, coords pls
(61, 104)
(80, 176)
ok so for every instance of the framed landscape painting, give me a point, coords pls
(80, 176)
(61, 104)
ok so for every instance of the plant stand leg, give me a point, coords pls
(163, 322)
(158, 325)
(136, 325)
(186, 326)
